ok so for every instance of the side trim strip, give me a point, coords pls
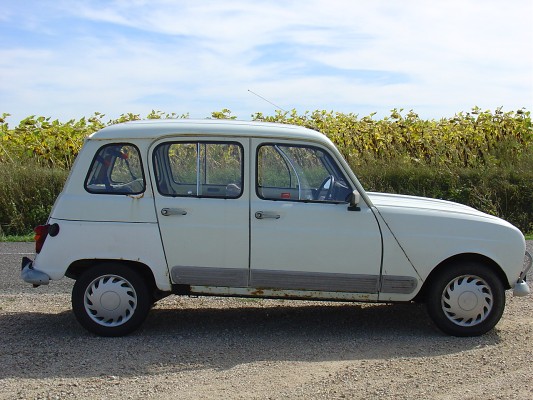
(209, 276)
(398, 284)
(291, 280)
(295, 280)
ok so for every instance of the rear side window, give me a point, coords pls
(199, 169)
(116, 169)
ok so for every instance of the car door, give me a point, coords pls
(202, 206)
(304, 236)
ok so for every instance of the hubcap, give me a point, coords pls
(467, 300)
(110, 300)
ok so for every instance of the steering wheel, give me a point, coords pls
(329, 193)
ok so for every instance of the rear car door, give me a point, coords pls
(202, 205)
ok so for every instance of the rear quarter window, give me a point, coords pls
(116, 169)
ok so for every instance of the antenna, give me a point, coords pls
(268, 101)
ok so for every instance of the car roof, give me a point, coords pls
(159, 128)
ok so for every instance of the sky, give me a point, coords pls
(68, 59)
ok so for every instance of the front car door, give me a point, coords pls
(304, 238)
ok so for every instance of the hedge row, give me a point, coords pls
(27, 192)
(482, 159)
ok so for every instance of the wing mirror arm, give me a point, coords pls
(354, 199)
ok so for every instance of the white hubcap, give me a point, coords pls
(110, 300)
(467, 300)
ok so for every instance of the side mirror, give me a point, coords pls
(355, 199)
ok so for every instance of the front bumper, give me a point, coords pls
(31, 275)
(521, 288)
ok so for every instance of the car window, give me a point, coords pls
(116, 169)
(299, 173)
(201, 169)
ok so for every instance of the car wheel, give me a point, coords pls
(466, 299)
(110, 300)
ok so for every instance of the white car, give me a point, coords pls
(250, 209)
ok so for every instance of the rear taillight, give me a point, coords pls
(41, 232)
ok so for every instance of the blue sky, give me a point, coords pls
(68, 59)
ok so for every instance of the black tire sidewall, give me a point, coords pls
(135, 279)
(444, 277)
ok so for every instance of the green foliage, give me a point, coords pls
(223, 114)
(52, 143)
(27, 193)
(503, 192)
(475, 139)
(479, 158)
(47, 143)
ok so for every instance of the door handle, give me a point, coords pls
(166, 212)
(266, 214)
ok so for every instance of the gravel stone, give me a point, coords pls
(212, 348)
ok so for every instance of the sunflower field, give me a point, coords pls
(480, 158)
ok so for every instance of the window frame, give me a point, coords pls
(292, 168)
(110, 169)
(198, 162)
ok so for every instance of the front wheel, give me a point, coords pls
(110, 300)
(466, 299)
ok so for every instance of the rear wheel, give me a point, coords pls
(110, 300)
(466, 299)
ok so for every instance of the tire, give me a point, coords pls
(110, 300)
(466, 299)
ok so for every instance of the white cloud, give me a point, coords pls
(68, 59)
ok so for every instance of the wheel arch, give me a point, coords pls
(458, 258)
(78, 267)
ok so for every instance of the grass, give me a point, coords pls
(17, 238)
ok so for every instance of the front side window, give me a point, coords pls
(199, 169)
(116, 169)
(299, 173)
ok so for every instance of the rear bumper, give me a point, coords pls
(521, 288)
(31, 275)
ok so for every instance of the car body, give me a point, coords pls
(252, 209)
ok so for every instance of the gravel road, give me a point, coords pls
(212, 348)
